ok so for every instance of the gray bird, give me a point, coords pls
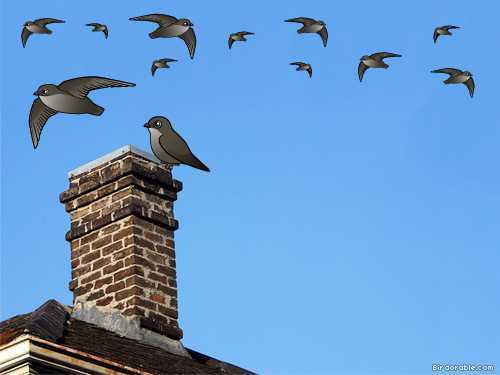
(373, 61)
(457, 76)
(168, 146)
(170, 27)
(37, 27)
(303, 66)
(238, 37)
(99, 27)
(160, 64)
(443, 30)
(312, 26)
(69, 97)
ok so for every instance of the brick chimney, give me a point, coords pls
(122, 247)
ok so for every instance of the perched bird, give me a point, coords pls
(69, 97)
(312, 26)
(160, 64)
(168, 146)
(99, 27)
(303, 66)
(37, 27)
(443, 30)
(457, 76)
(170, 27)
(373, 61)
(238, 37)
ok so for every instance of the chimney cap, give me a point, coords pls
(111, 156)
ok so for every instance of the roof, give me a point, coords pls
(52, 322)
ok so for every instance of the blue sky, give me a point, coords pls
(345, 227)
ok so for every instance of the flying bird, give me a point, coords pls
(169, 27)
(303, 66)
(457, 76)
(69, 97)
(312, 26)
(443, 30)
(99, 27)
(168, 146)
(160, 64)
(37, 27)
(373, 61)
(238, 37)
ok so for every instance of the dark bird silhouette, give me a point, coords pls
(240, 36)
(457, 76)
(443, 30)
(168, 146)
(37, 27)
(99, 27)
(373, 61)
(170, 27)
(160, 64)
(303, 66)
(312, 26)
(69, 97)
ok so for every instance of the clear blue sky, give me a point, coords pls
(345, 227)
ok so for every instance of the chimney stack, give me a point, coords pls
(122, 247)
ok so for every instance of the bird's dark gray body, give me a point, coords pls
(312, 26)
(238, 37)
(303, 66)
(37, 27)
(443, 30)
(160, 64)
(458, 76)
(170, 27)
(168, 146)
(373, 61)
(69, 97)
(99, 27)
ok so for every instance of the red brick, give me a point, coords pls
(91, 257)
(140, 281)
(166, 271)
(155, 257)
(110, 229)
(131, 250)
(91, 277)
(112, 248)
(96, 295)
(80, 271)
(164, 232)
(157, 277)
(165, 250)
(130, 271)
(172, 283)
(157, 298)
(126, 232)
(75, 263)
(153, 237)
(171, 262)
(137, 260)
(75, 244)
(134, 291)
(122, 194)
(115, 287)
(173, 302)
(169, 291)
(101, 242)
(88, 238)
(168, 312)
(135, 310)
(137, 301)
(73, 284)
(99, 204)
(101, 263)
(81, 290)
(112, 268)
(99, 283)
(80, 251)
(109, 209)
(105, 301)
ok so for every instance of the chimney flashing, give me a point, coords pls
(112, 155)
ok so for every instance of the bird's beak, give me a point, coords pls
(146, 125)
(35, 93)
(191, 24)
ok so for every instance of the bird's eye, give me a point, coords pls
(45, 92)
(157, 124)
(185, 23)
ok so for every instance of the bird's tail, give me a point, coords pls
(97, 111)
(153, 35)
(300, 31)
(49, 31)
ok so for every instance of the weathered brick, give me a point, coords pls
(156, 238)
(171, 262)
(168, 291)
(100, 204)
(173, 302)
(111, 172)
(166, 271)
(164, 232)
(122, 194)
(137, 260)
(115, 287)
(108, 270)
(100, 263)
(112, 208)
(170, 243)
(155, 257)
(131, 250)
(81, 290)
(115, 246)
(168, 312)
(105, 301)
(91, 277)
(157, 277)
(126, 232)
(134, 291)
(140, 281)
(157, 298)
(130, 271)
(88, 238)
(137, 301)
(99, 283)
(109, 229)
(134, 310)
(95, 295)
(172, 283)
(75, 263)
(73, 284)
(101, 242)
(90, 257)
(77, 272)
(75, 244)
(165, 250)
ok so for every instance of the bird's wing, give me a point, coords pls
(361, 70)
(24, 36)
(161, 19)
(105, 31)
(176, 147)
(470, 85)
(447, 27)
(324, 35)
(298, 63)
(153, 69)
(302, 20)
(242, 33)
(163, 61)
(39, 115)
(190, 39)
(44, 21)
(80, 87)
(382, 55)
(93, 24)
(436, 34)
(230, 42)
(310, 71)
(452, 72)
